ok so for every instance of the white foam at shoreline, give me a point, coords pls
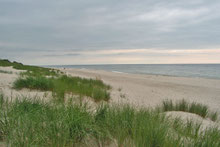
(117, 72)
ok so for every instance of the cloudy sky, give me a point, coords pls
(56, 32)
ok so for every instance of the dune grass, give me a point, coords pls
(213, 116)
(30, 70)
(62, 85)
(190, 134)
(39, 83)
(34, 123)
(6, 72)
(47, 79)
(26, 122)
(183, 105)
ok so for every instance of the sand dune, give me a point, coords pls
(140, 90)
(6, 83)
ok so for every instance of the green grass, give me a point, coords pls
(6, 72)
(26, 122)
(34, 123)
(213, 116)
(47, 79)
(95, 89)
(199, 109)
(62, 85)
(30, 70)
(39, 83)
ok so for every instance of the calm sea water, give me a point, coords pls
(184, 70)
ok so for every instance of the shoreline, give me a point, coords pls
(139, 73)
(138, 89)
(151, 90)
(139, 93)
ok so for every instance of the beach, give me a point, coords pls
(137, 89)
(151, 90)
(128, 93)
(107, 74)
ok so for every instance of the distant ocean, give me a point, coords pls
(184, 70)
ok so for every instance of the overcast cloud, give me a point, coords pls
(104, 32)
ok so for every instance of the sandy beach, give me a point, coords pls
(151, 90)
(137, 89)
(106, 74)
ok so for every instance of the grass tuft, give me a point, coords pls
(39, 83)
(26, 122)
(30, 70)
(5, 72)
(213, 116)
(64, 84)
(199, 109)
(47, 79)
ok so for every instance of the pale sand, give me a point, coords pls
(139, 90)
(185, 116)
(151, 90)
(6, 83)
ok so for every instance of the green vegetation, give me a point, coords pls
(26, 122)
(213, 116)
(30, 70)
(39, 83)
(34, 122)
(61, 85)
(191, 134)
(199, 109)
(47, 79)
(6, 72)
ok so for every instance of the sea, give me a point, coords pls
(211, 71)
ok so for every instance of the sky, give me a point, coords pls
(67, 32)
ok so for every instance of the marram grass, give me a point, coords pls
(183, 105)
(26, 122)
(46, 79)
(62, 85)
(30, 70)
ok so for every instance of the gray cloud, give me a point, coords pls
(43, 27)
(62, 55)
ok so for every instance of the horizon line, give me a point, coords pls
(133, 64)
